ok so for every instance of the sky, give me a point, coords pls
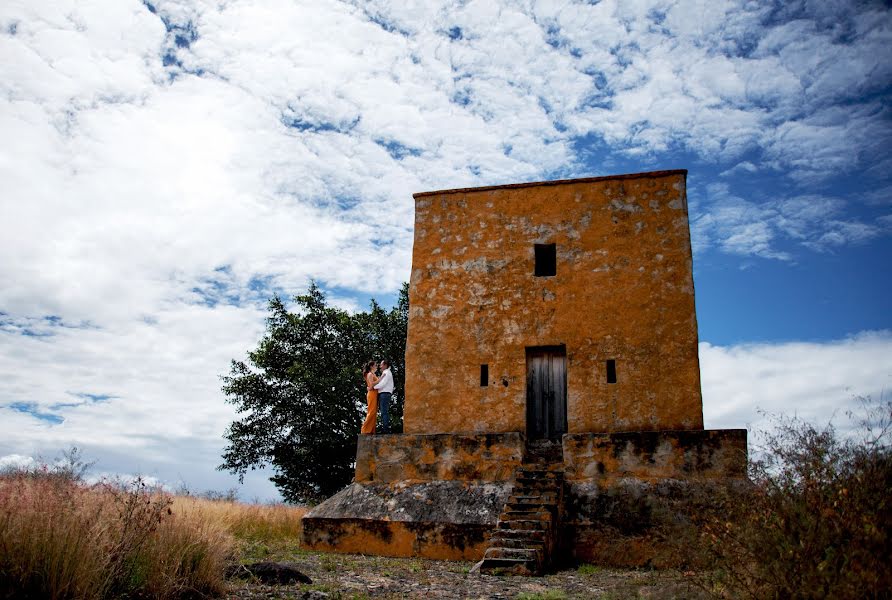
(169, 165)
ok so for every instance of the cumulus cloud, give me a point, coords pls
(17, 462)
(815, 381)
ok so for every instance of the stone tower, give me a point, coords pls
(590, 280)
(552, 357)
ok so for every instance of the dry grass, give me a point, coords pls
(249, 522)
(62, 539)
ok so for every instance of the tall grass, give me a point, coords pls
(61, 539)
(249, 522)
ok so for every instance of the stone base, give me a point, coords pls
(435, 496)
(632, 523)
(622, 487)
(438, 496)
(444, 519)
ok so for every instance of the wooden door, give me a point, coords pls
(546, 392)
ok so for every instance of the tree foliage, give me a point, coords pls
(300, 394)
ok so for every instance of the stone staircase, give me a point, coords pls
(526, 535)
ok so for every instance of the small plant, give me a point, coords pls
(328, 563)
(546, 595)
(588, 569)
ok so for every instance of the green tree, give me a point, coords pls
(300, 394)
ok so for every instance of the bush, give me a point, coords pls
(815, 523)
(62, 539)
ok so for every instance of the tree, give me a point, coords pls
(302, 396)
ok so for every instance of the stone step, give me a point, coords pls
(530, 554)
(525, 524)
(524, 479)
(551, 460)
(533, 535)
(538, 498)
(536, 488)
(498, 541)
(508, 566)
(518, 511)
(528, 508)
(540, 470)
(524, 536)
(537, 515)
(529, 478)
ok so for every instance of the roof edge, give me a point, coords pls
(509, 186)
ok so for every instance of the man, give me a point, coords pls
(385, 389)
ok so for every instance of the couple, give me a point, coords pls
(378, 391)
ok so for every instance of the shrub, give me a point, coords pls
(815, 523)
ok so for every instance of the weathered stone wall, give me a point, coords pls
(445, 520)
(410, 458)
(631, 523)
(623, 291)
(624, 489)
(438, 496)
(435, 496)
(654, 455)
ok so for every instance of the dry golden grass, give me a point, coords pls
(61, 539)
(250, 522)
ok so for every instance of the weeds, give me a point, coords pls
(546, 595)
(268, 524)
(587, 569)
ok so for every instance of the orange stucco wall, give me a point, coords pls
(623, 291)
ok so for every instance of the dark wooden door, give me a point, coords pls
(546, 392)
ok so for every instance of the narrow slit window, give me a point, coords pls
(484, 375)
(546, 260)
(611, 371)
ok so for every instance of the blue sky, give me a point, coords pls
(171, 164)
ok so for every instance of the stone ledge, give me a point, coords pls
(443, 519)
(655, 455)
(438, 457)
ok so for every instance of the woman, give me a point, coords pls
(368, 373)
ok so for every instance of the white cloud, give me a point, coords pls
(745, 227)
(816, 381)
(17, 462)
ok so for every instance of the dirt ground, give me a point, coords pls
(352, 576)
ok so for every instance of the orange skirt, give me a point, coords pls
(372, 416)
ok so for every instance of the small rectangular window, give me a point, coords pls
(611, 371)
(546, 260)
(484, 375)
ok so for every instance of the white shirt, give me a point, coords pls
(386, 382)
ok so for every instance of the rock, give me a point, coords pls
(314, 595)
(268, 572)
